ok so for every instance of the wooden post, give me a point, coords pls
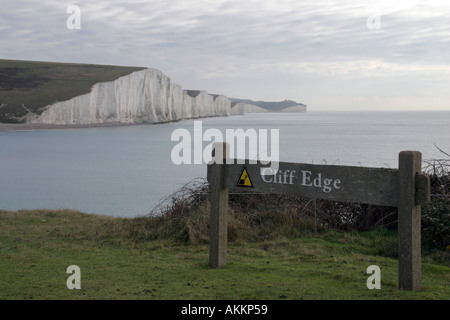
(409, 220)
(219, 207)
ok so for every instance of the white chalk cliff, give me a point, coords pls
(145, 96)
(296, 108)
(243, 108)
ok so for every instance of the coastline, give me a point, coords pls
(14, 127)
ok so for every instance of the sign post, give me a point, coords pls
(219, 208)
(405, 188)
(412, 193)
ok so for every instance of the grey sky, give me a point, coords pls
(321, 53)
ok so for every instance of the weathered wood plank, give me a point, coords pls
(376, 186)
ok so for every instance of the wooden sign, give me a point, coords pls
(405, 188)
(338, 183)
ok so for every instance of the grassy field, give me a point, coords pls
(118, 262)
(28, 86)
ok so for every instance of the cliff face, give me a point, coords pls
(145, 96)
(296, 108)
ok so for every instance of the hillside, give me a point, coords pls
(139, 258)
(29, 86)
(313, 250)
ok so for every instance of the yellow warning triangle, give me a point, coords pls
(244, 179)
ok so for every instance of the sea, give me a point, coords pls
(127, 171)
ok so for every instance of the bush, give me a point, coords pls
(354, 216)
(436, 224)
(180, 216)
(436, 216)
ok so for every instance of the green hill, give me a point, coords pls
(28, 86)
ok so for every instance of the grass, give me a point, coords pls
(118, 261)
(38, 84)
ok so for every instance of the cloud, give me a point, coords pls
(209, 43)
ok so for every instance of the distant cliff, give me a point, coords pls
(295, 108)
(243, 108)
(145, 96)
(282, 106)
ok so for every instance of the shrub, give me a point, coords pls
(436, 216)
(436, 223)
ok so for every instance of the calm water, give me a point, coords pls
(126, 171)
